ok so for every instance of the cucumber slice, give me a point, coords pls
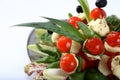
(35, 49)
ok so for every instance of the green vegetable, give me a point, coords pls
(46, 59)
(87, 32)
(80, 64)
(114, 23)
(94, 74)
(67, 26)
(85, 7)
(54, 74)
(70, 15)
(46, 39)
(49, 52)
(39, 32)
(66, 29)
(54, 65)
(34, 48)
(77, 76)
(53, 55)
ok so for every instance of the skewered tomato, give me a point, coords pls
(69, 63)
(73, 20)
(95, 46)
(64, 44)
(97, 13)
(113, 39)
(89, 62)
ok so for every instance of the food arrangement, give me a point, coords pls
(83, 47)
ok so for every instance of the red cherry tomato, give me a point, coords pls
(68, 63)
(89, 62)
(110, 54)
(64, 44)
(95, 46)
(97, 13)
(73, 20)
(113, 39)
(109, 63)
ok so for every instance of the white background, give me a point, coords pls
(13, 40)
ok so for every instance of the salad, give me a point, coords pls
(83, 47)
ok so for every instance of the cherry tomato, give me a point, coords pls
(97, 13)
(110, 54)
(68, 63)
(64, 44)
(73, 20)
(95, 46)
(109, 63)
(113, 39)
(88, 61)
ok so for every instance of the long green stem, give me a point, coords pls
(85, 6)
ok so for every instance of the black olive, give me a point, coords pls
(50, 32)
(79, 9)
(101, 3)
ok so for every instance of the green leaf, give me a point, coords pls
(54, 65)
(54, 53)
(114, 23)
(70, 15)
(77, 76)
(74, 35)
(46, 59)
(67, 27)
(80, 64)
(85, 7)
(49, 52)
(87, 32)
(46, 39)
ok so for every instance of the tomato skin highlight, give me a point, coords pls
(73, 21)
(97, 13)
(113, 39)
(94, 45)
(64, 44)
(68, 63)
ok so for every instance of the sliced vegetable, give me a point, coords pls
(34, 48)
